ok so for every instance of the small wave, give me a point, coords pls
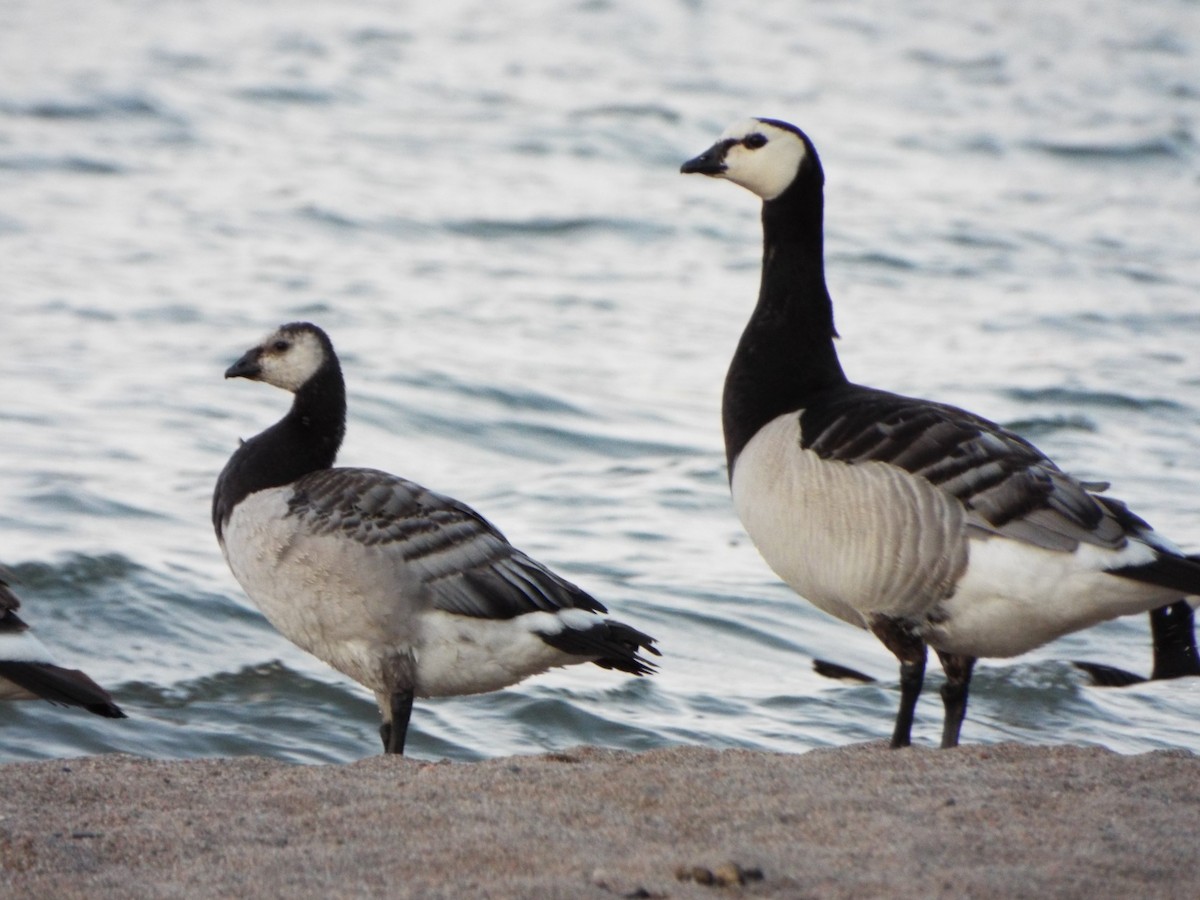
(181, 61)
(104, 106)
(171, 313)
(985, 68)
(494, 229)
(300, 95)
(544, 717)
(1165, 41)
(378, 35)
(82, 165)
(339, 221)
(985, 143)
(59, 306)
(254, 709)
(536, 440)
(74, 572)
(965, 235)
(876, 259)
(1039, 426)
(521, 437)
(1163, 146)
(74, 498)
(323, 216)
(27, 418)
(1051, 680)
(1136, 322)
(535, 401)
(1142, 275)
(738, 625)
(572, 725)
(269, 680)
(1103, 399)
(629, 110)
(40, 731)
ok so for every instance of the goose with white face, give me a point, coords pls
(286, 358)
(922, 522)
(410, 593)
(762, 155)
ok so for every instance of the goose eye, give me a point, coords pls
(754, 141)
(280, 346)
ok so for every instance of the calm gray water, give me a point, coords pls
(480, 202)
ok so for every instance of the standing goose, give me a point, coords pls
(409, 593)
(27, 671)
(921, 522)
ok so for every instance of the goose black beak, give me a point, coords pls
(710, 162)
(246, 367)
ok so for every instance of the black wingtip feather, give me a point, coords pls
(1179, 573)
(609, 644)
(1108, 676)
(839, 672)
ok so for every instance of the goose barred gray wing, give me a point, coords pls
(467, 565)
(1008, 486)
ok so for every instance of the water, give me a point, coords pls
(480, 202)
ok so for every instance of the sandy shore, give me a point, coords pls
(862, 821)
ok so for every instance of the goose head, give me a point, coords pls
(765, 156)
(289, 357)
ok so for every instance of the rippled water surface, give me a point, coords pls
(480, 202)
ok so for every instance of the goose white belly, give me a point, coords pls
(1016, 596)
(359, 607)
(465, 655)
(854, 540)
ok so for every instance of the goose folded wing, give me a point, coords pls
(464, 562)
(1007, 485)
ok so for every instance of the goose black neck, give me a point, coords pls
(786, 354)
(306, 440)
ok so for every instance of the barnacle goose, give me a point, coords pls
(921, 522)
(409, 593)
(27, 671)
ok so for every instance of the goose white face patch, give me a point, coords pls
(290, 358)
(762, 158)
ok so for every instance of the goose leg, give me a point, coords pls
(954, 694)
(395, 731)
(1174, 641)
(908, 647)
